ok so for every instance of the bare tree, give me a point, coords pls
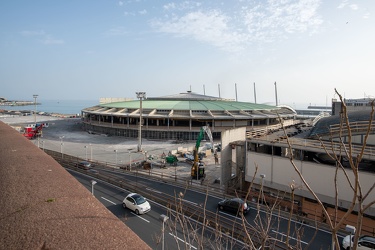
(359, 196)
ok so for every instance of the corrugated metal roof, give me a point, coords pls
(187, 96)
(189, 105)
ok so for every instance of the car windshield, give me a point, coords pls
(139, 199)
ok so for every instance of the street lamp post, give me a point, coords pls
(92, 186)
(116, 155)
(35, 97)
(130, 160)
(86, 151)
(61, 145)
(261, 186)
(351, 230)
(90, 152)
(163, 219)
(140, 95)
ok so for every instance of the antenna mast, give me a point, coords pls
(277, 103)
(255, 94)
(235, 86)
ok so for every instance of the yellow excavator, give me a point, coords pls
(197, 170)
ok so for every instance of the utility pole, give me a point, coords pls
(35, 97)
(140, 95)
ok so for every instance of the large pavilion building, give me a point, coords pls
(180, 116)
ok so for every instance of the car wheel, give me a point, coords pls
(136, 212)
(221, 208)
(123, 205)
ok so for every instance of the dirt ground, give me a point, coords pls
(66, 135)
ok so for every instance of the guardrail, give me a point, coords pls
(331, 146)
(355, 127)
(239, 229)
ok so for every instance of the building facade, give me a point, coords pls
(179, 117)
(264, 159)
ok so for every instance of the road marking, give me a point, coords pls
(194, 203)
(231, 215)
(290, 237)
(300, 223)
(153, 190)
(191, 246)
(108, 200)
(140, 217)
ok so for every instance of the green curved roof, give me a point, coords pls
(189, 105)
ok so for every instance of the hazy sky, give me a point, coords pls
(87, 49)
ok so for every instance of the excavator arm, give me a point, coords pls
(197, 171)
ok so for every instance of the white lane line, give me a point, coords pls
(231, 215)
(153, 190)
(300, 223)
(140, 217)
(191, 246)
(290, 237)
(194, 203)
(108, 200)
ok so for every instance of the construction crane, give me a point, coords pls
(197, 170)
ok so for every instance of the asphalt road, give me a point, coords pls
(148, 226)
(112, 198)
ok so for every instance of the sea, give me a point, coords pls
(66, 107)
(74, 107)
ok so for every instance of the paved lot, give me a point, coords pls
(65, 134)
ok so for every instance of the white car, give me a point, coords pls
(137, 203)
(364, 242)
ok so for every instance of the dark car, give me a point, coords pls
(84, 165)
(234, 205)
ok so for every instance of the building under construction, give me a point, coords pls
(180, 116)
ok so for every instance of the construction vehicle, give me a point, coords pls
(172, 160)
(197, 170)
(31, 132)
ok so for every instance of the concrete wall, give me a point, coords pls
(228, 137)
(359, 139)
(44, 207)
(280, 174)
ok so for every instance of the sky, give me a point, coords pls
(87, 49)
